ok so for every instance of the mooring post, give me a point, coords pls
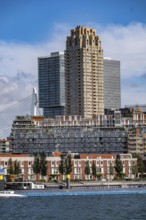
(68, 181)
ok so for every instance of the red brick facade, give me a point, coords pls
(102, 162)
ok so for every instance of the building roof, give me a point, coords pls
(94, 156)
(15, 155)
(3, 140)
(56, 154)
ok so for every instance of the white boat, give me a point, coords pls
(10, 194)
(24, 185)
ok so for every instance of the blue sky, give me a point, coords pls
(33, 20)
(32, 28)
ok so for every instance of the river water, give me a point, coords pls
(78, 207)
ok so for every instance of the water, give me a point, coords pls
(78, 207)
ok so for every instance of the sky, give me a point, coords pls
(33, 28)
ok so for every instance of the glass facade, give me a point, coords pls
(112, 86)
(51, 84)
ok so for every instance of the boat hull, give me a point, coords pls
(8, 194)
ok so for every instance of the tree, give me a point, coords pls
(65, 166)
(99, 175)
(40, 164)
(140, 165)
(36, 164)
(118, 166)
(134, 169)
(10, 167)
(62, 165)
(43, 164)
(94, 173)
(87, 168)
(68, 164)
(111, 169)
(16, 167)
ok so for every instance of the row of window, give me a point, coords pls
(6, 163)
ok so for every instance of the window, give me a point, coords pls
(77, 170)
(75, 163)
(22, 171)
(79, 163)
(98, 170)
(55, 171)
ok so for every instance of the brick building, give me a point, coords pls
(102, 162)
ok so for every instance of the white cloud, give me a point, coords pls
(15, 57)
(127, 44)
(18, 60)
(133, 97)
(18, 65)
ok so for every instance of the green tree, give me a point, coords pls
(94, 172)
(99, 175)
(10, 167)
(16, 167)
(36, 164)
(43, 164)
(62, 165)
(134, 169)
(40, 164)
(140, 165)
(87, 168)
(68, 164)
(65, 166)
(111, 169)
(118, 166)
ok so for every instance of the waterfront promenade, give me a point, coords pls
(98, 184)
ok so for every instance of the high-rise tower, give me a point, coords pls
(112, 84)
(84, 73)
(51, 83)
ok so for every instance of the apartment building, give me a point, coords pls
(4, 146)
(66, 133)
(126, 117)
(102, 162)
(137, 141)
(84, 76)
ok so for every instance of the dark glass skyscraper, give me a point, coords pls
(51, 84)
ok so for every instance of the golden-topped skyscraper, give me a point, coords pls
(84, 77)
